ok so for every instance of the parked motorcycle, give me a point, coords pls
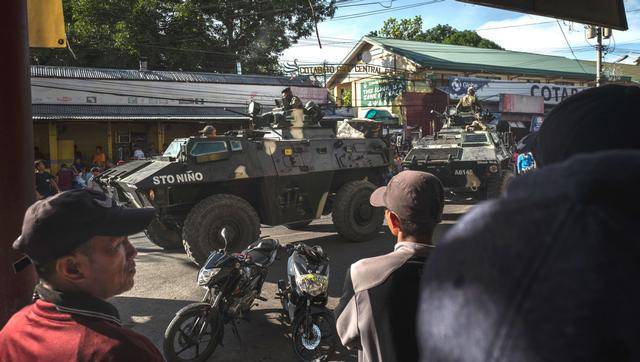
(304, 299)
(233, 281)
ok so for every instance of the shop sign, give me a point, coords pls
(490, 90)
(381, 92)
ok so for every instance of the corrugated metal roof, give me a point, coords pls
(169, 76)
(463, 58)
(68, 111)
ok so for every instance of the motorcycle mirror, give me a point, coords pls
(223, 233)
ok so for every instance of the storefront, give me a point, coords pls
(409, 78)
(78, 109)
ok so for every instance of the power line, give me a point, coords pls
(569, 45)
(376, 12)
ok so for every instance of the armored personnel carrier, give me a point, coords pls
(285, 170)
(470, 161)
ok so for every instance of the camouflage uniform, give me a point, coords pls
(292, 103)
(468, 103)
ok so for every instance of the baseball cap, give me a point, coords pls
(412, 195)
(55, 226)
(207, 129)
(596, 119)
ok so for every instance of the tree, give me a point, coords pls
(411, 29)
(205, 35)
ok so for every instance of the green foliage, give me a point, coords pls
(411, 29)
(204, 35)
(346, 98)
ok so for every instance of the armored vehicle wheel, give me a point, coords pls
(202, 228)
(162, 236)
(353, 216)
(298, 225)
(497, 185)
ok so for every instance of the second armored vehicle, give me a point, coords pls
(287, 170)
(469, 161)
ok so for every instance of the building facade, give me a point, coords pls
(390, 74)
(78, 109)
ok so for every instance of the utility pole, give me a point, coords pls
(598, 56)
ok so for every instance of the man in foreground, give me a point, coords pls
(377, 311)
(78, 243)
(549, 271)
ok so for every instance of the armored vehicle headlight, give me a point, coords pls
(313, 284)
(493, 168)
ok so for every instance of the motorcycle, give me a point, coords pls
(304, 298)
(232, 281)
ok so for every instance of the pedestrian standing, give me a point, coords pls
(377, 312)
(78, 243)
(45, 183)
(99, 158)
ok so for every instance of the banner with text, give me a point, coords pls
(490, 90)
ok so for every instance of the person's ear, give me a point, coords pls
(69, 268)
(393, 222)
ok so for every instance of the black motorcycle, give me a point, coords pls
(233, 281)
(304, 299)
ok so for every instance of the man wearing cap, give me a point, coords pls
(377, 311)
(78, 243)
(549, 271)
(208, 132)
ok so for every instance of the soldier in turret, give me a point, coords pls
(289, 101)
(469, 103)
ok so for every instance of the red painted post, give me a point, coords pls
(17, 186)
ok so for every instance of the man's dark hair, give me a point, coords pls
(47, 270)
(286, 90)
(417, 230)
(36, 163)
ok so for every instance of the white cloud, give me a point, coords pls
(337, 41)
(547, 38)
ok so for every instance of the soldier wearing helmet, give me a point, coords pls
(469, 103)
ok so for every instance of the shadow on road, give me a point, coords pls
(263, 336)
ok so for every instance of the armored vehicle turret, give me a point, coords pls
(285, 170)
(470, 158)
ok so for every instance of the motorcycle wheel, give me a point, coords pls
(317, 341)
(183, 340)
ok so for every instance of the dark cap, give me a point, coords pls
(596, 119)
(412, 195)
(207, 129)
(56, 226)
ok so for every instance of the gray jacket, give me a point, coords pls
(377, 311)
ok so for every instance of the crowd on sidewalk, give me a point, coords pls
(545, 272)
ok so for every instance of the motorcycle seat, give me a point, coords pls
(261, 251)
(266, 245)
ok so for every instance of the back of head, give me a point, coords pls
(593, 120)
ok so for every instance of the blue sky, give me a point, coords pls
(340, 35)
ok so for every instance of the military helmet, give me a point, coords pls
(207, 130)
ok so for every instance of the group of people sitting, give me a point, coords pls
(545, 272)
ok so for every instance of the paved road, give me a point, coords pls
(166, 282)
